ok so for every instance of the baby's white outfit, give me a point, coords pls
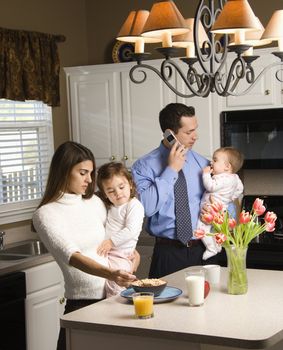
(224, 188)
(123, 227)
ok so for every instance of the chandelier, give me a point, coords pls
(219, 27)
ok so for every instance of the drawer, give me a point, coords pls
(42, 276)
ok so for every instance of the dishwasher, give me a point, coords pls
(12, 311)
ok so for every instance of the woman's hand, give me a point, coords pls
(122, 278)
(104, 248)
(88, 265)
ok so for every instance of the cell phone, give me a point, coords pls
(170, 137)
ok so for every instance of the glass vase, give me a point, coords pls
(237, 271)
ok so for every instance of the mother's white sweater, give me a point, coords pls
(73, 224)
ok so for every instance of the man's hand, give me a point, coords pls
(104, 248)
(206, 208)
(177, 157)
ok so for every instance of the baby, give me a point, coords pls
(224, 185)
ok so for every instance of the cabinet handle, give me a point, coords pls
(267, 92)
(62, 300)
(112, 158)
(125, 158)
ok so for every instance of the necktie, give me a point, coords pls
(182, 211)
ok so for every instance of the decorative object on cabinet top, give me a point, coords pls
(205, 38)
(122, 52)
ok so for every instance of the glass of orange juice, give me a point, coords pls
(143, 303)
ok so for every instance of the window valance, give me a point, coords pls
(29, 66)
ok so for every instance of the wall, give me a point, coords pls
(100, 19)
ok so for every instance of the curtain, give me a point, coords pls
(29, 66)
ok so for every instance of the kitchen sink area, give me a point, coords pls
(23, 250)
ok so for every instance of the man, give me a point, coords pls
(155, 175)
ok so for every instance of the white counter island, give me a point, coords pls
(251, 321)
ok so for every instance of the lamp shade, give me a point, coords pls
(132, 28)
(183, 40)
(236, 15)
(164, 16)
(274, 28)
(253, 37)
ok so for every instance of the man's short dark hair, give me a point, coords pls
(170, 116)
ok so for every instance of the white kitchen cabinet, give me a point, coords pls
(266, 93)
(205, 117)
(95, 112)
(44, 306)
(116, 118)
(141, 105)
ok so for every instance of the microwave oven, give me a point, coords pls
(257, 133)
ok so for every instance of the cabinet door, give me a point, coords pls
(204, 113)
(95, 114)
(280, 89)
(264, 92)
(43, 312)
(141, 106)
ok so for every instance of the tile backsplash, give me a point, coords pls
(263, 182)
(16, 232)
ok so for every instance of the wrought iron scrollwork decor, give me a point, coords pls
(206, 73)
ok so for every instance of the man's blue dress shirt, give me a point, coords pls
(155, 185)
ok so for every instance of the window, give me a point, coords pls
(26, 148)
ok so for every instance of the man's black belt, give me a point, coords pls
(176, 243)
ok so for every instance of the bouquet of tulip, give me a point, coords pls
(235, 237)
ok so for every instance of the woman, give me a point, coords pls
(70, 221)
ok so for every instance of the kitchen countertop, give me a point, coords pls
(253, 320)
(9, 266)
(23, 264)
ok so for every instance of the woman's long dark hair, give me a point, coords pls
(64, 159)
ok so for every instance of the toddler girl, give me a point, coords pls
(124, 219)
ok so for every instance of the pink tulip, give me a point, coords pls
(199, 233)
(245, 217)
(216, 207)
(270, 227)
(220, 238)
(258, 207)
(232, 223)
(219, 218)
(207, 218)
(270, 217)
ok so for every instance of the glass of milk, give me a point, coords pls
(194, 278)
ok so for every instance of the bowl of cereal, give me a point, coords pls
(153, 285)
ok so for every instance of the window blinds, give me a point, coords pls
(26, 148)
